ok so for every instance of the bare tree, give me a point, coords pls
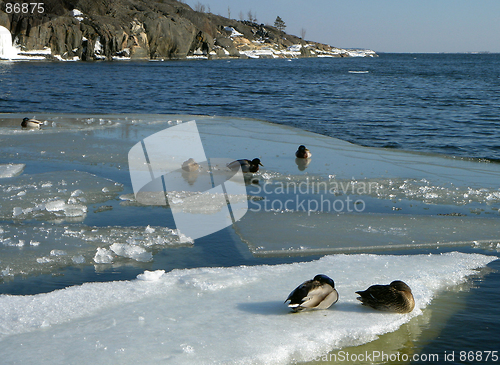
(228, 12)
(302, 33)
(241, 16)
(199, 7)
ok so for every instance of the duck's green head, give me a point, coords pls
(256, 162)
(323, 279)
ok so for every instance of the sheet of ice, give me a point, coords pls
(55, 123)
(44, 248)
(218, 315)
(225, 137)
(334, 158)
(62, 195)
(11, 169)
(437, 195)
(402, 191)
(101, 139)
(300, 233)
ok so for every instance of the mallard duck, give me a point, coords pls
(318, 293)
(246, 165)
(31, 123)
(303, 152)
(395, 297)
(190, 165)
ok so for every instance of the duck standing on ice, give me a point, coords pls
(395, 297)
(318, 293)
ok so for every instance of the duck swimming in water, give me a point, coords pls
(246, 165)
(303, 152)
(318, 293)
(31, 123)
(395, 297)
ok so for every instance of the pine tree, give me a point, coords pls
(279, 24)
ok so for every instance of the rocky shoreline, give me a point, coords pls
(150, 30)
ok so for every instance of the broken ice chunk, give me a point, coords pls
(133, 252)
(103, 256)
(151, 275)
(41, 196)
(11, 169)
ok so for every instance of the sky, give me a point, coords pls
(408, 26)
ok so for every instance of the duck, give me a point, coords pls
(31, 123)
(303, 152)
(318, 293)
(395, 297)
(246, 165)
(190, 165)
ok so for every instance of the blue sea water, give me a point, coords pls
(427, 102)
(431, 103)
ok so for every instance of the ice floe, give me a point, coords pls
(54, 195)
(224, 315)
(301, 233)
(219, 315)
(393, 195)
(44, 248)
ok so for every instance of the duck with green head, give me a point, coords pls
(318, 293)
(31, 123)
(246, 165)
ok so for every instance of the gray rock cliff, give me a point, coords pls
(149, 29)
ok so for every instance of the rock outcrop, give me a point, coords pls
(151, 29)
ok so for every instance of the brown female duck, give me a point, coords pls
(395, 297)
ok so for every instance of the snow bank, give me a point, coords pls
(218, 315)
